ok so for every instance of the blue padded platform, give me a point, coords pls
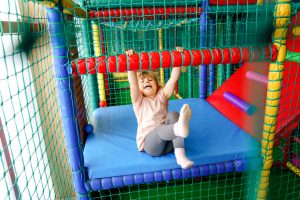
(111, 151)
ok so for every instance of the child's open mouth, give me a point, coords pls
(147, 86)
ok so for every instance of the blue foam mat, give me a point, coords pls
(111, 150)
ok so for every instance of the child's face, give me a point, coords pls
(148, 86)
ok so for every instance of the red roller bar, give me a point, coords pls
(167, 59)
(140, 12)
(231, 2)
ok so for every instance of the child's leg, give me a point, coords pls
(157, 142)
(182, 128)
(178, 142)
(181, 158)
(155, 146)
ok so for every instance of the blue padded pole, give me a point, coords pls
(66, 98)
(212, 33)
(203, 68)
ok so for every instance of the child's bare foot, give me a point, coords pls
(129, 52)
(182, 127)
(181, 158)
(180, 49)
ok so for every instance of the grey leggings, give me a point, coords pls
(162, 139)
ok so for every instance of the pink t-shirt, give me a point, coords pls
(149, 113)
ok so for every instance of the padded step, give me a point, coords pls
(261, 78)
(239, 103)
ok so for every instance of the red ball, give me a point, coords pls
(102, 104)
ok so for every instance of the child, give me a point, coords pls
(159, 132)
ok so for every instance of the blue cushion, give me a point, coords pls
(111, 149)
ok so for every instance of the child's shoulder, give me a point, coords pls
(161, 96)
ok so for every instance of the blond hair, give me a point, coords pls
(144, 74)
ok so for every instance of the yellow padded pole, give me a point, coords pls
(161, 47)
(49, 4)
(296, 30)
(100, 77)
(260, 2)
(161, 70)
(69, 7)
(282, 15)
(73, 9)
(293, 168)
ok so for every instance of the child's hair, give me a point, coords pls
(144, 74)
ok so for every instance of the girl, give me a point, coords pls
(159, 132)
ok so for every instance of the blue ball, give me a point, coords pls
(88, 128)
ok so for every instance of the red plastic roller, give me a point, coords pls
(122, 63)
(246, 55)
(226, 56)
(101, 61)
(216, 56)
(206, 56)
(167, 59)
(177, 59)
(197, 57)
(155, 57)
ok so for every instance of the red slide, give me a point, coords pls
(252, 90)
(248, 90)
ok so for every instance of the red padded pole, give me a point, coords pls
(147, 12)
(167, 59)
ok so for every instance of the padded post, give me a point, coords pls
(66, 98)
(203, 68)
(212, 31)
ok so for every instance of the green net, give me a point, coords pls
(34, 161)
(33, 158)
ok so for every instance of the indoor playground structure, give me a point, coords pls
(68, 128)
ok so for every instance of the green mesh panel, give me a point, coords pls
(33, 157)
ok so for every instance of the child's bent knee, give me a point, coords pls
(172, 117)
(153, 151)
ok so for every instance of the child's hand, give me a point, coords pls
(180, 49)
(129, 52)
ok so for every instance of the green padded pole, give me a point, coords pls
(238, 39)
(86, 50)
(84, 38)
(220, 70)
(228, 41)
(93, 91)
(190, 78)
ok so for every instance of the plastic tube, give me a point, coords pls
(239, 103)
(257, 77)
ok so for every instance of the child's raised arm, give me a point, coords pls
(133, 82)
(170, 85)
